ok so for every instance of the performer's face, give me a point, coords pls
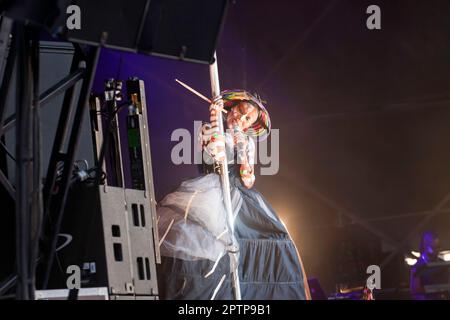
(243, 115)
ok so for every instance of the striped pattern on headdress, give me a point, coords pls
(261, 127)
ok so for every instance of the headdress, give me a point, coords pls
(261, 127)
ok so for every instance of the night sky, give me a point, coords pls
(363, 116)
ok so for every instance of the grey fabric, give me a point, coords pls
(269, 266)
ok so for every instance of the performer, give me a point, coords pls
(192, 220)
(421, 276)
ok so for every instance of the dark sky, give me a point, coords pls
(363, 115)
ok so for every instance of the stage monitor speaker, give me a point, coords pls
(179, 29)
(108, 233)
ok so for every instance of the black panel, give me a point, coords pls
(180, 29)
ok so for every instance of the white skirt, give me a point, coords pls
(192, 221)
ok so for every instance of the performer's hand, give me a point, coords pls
(213, 142)
(216, 147)
(240, 138)
(215, 108)
(216, 144)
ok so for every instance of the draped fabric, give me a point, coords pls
(195, 263)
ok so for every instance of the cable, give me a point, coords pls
(105, 142)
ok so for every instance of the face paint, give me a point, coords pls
(243, 115)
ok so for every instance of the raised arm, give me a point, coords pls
(212, 142)
(246, 156)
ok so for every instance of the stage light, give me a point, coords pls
(415, 254)
(445, 255)
(410, 261)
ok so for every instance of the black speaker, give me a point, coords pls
(42, 13)
(108, 233)
(179, 29)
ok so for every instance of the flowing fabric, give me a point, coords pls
(195, 263)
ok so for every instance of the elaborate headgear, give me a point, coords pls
(261, 127)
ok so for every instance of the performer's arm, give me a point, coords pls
(246, 150)
(247, 174)
(213, 143)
